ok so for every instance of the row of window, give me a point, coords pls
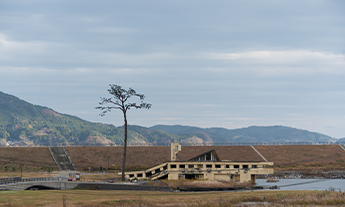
(149, 174)
(210, 166)
(139, 175)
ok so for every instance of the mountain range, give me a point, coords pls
(23, 122)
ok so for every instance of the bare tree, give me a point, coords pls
(119, 101)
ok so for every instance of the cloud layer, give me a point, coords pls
(222, 64)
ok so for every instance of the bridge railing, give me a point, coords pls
(6, 181)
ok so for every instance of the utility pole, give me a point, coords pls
(63, 200)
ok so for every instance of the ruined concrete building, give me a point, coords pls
(206, 166)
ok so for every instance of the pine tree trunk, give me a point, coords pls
(124, 149)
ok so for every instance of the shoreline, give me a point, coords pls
(305, 175)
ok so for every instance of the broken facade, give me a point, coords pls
(206, 166)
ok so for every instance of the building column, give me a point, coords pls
(233, 178)
(253, 178)
(244, 177)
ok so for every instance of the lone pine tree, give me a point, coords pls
(119, 100)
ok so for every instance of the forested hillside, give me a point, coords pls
(23, 122)
(250, 134)
(29, 124)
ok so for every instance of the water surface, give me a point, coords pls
(306, 184)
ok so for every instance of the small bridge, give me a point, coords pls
(58, 185)
(18, 183)
(66, 185)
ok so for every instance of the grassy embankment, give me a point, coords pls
(54, 198)
(305, 157)
(285, 157)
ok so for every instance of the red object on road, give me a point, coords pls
(70, 179)
(77, 176)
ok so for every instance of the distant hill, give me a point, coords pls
(23, 122)
(341, 140)
(29, 124)
(249, 134)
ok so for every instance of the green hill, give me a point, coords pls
(249, 134)
(23, 122)
(30, 124)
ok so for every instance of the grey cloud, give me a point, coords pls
(74, 49)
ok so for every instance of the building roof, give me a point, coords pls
(211, 151)
(230, 153)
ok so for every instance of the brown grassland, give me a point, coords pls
(292, 157)
(305, 157)
(100, 177)
(144, 157)
(85, 198)
(31, 157)
(137, 157)
(285, 157)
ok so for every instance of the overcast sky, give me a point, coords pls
(228, 64)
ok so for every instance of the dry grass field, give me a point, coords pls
(312, 156)
(31, 157)
(328, 157)
(71, 198)
(143, 157)
(99, 177)
(137, 157)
